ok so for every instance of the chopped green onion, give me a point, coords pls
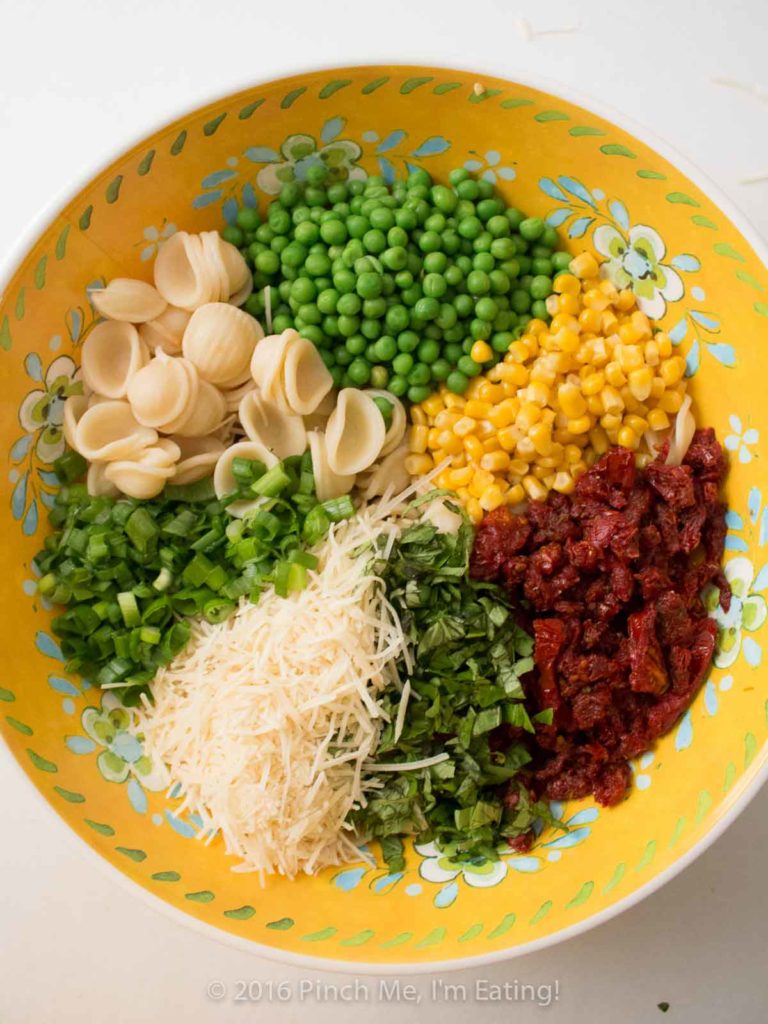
(316, 525)
(129, 608)
(141, 529)
(272, 483)
(150, 635)
(163, 580)
(339, 509)
(282, 576)
(297, 576)
(47, 584)
(97, 547)
(70, 466)
(218, 609)
(200, 490)
(304, 558)
(198, 570)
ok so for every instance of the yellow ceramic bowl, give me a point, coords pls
(698, 271)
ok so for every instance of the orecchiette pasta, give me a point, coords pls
(143, 477)
(355, 433)
(238, 274)
(74, 407)
(161, 392)
(267, 365)
(234, 396)
(214, 265)
(281, 432)
(109, 431)
(97, 483)
(389, 474)
(205, 414)
(220, 340)
(128, 300)
(166, 331)
(306, 378)
(224, 479)
(328, 484)
(198, 457)
(180, 272)
(112, 353)
(396, 430)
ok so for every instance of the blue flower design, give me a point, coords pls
(489, 165)
(741, 439)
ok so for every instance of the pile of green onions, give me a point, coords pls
(132, 573)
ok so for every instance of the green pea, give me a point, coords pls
(300, 213)
(281, 322)
(333, 232)
(485, 189)
(375, 308)
(452, 352)
(542, 267)
(561, 260)
(501, 341)
(355, 187)
(278, 243)
(469, 228)
(532, 228)
(397, 238)
(331, 326)
(357, 226)
(337, 375)
(386, 349)
(411, 295)
(309, 313)
(502, 248)
(317, 264)
(344, 281)
(284, 290)
(414, 263)
(469, 367)
(380, 379)
(375, 241)
(268, 262)
(327, 300)
(480, 328)
(355, 344)
(248, 218)
(303, 290)
(525, 263)
(395, 258)
(314, 196)
(427, 352)
(457, 175)
(234, 235)
(457, 382)
(541, 286)
(388, 286)
(483, 261)
(349, 304)
(418, 393)
(293, 255)
(368, 285)
(337, 192)
(406, 219)
(539, 310)
(348, 325)
(343, 356)
(498, 226)
(488, 208)
(427, 308)
(432, 332)
(482, 244)
(307, 233)
(420, 374)
(486, 309)
(451, 242)
(404, 279)
(453, 275)
(478, 282)
(290, 194)
(359, 371)
(397, 386)
(279, 219)
(440, 369)
(289, 273)
(397, 318)
(407, 341)
(402, 364)
(434, 286)
(500, 283)
(447, 316)
(371, 329)
(430, 241)
(381, 218)
(467, 189)
(435, 222)
(329, 357)
(520, 301)
(317, 174)
(463, 305)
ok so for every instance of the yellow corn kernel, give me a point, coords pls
(549, 462)
(465, 426)
(510, 390)
(627, 438)
(657, 388)
(489, 392)
(541, 438)
(642, 459)
(638, 423)
(592, 383)
(474, 386)
(474, 510)
(524, 448)
(571, 401)
(417, 441)
(599, 440)
(608, 288)
(536, 326)
(610, 422)
(534, 488)
(528, 415)
(595, 406)
(518, 468)
(432, 437)
(517, 352)
(579, 425)
(552, 303)
(473, 446)
(590, 320)
(515, 495)
(453, 401)
(563, 322)
(595, 299)
(548, 416)
(476, 409)
(512, 373)
(504, 413)
(609, 322)
(612, 400)
(447, 419)
(567, 340)
(481, 352)
(625, 300)
(563, 483)
(538, 393)
(615, 375)
(640, 382)
(578, 468)
(584, 265)
(443, 479)
(670, 401)
(671, 370)
(438, 456)
(449, 442)
(543, 373)
(651, 353)
(458, 461)
(630, 357)
(569, 304)
(418, 416)
(567, 284)
(418, 465)
(485, 429)
(631, 404)
(433, 405)
(460, 477)
(664, 342)
(641, 324)
(495, 462)
(481, 479)
(541, 472)
(627, 333)
(492, 497)
(491, 444)
(658, 419)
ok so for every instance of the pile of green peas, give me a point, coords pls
(395, 283)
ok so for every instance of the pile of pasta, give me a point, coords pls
(179, 382)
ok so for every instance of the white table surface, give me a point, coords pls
(78, 79)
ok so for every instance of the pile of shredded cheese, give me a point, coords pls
(266, 721)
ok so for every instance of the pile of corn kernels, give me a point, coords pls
(597, 375)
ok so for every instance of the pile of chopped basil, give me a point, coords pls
(469, 656)
(131, 573)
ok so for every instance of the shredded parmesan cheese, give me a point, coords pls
(268, 721)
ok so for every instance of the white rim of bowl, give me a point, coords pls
(744, 792)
